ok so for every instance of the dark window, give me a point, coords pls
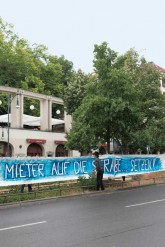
(61, 151)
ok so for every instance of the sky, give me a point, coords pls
(72, 27)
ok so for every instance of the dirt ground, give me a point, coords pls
(137, 180)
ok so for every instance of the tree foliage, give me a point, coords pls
(75, 91)
(121, 100)
(31, 67)
(117, 103)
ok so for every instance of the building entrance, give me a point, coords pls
(61, 151)
(34, 149)
(4, 149)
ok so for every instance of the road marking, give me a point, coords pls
(31, 224)
(144, 203)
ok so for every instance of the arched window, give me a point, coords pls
(4, 149)
(61, 151)
(34, 149)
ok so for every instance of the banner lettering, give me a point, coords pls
(14, 171)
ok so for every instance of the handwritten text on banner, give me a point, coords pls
(15, 171)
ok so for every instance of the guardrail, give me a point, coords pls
(46, 192)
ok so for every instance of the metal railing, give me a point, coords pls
(74, 188)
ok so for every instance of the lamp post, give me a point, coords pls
(9, 100)
(8, 125)
(2, 136)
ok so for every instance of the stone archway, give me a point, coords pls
(61, 151)
(34, 149)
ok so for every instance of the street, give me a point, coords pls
(126, 218)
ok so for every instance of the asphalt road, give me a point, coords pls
(128, 218)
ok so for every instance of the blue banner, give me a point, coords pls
(15, 171)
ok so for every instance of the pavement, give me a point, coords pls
(126, 218)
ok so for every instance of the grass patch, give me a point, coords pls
(12, 194)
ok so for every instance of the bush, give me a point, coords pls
(88, 182)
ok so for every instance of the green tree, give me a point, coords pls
(75, 90)
(117, 104)
(150, 101)
(31, 67)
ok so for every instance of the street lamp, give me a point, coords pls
(2, 136)
(9, 100)
(32, 107)
(58, 112)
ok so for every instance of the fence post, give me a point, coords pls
(139, 181)
(60, 192)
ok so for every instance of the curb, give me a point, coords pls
(45, 200)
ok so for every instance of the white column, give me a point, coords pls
(45, 114)
(16, 112)
(68, 122)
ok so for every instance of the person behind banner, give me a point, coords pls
(29, 188)
(99, 171)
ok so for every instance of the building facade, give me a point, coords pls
(46, 139)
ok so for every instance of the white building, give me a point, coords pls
(45, 136)
(162, 80)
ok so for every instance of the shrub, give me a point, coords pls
(88, 182)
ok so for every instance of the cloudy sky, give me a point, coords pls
(72, 27)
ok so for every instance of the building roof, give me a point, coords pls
(29, 120)
(157, 67)
(161, 69)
